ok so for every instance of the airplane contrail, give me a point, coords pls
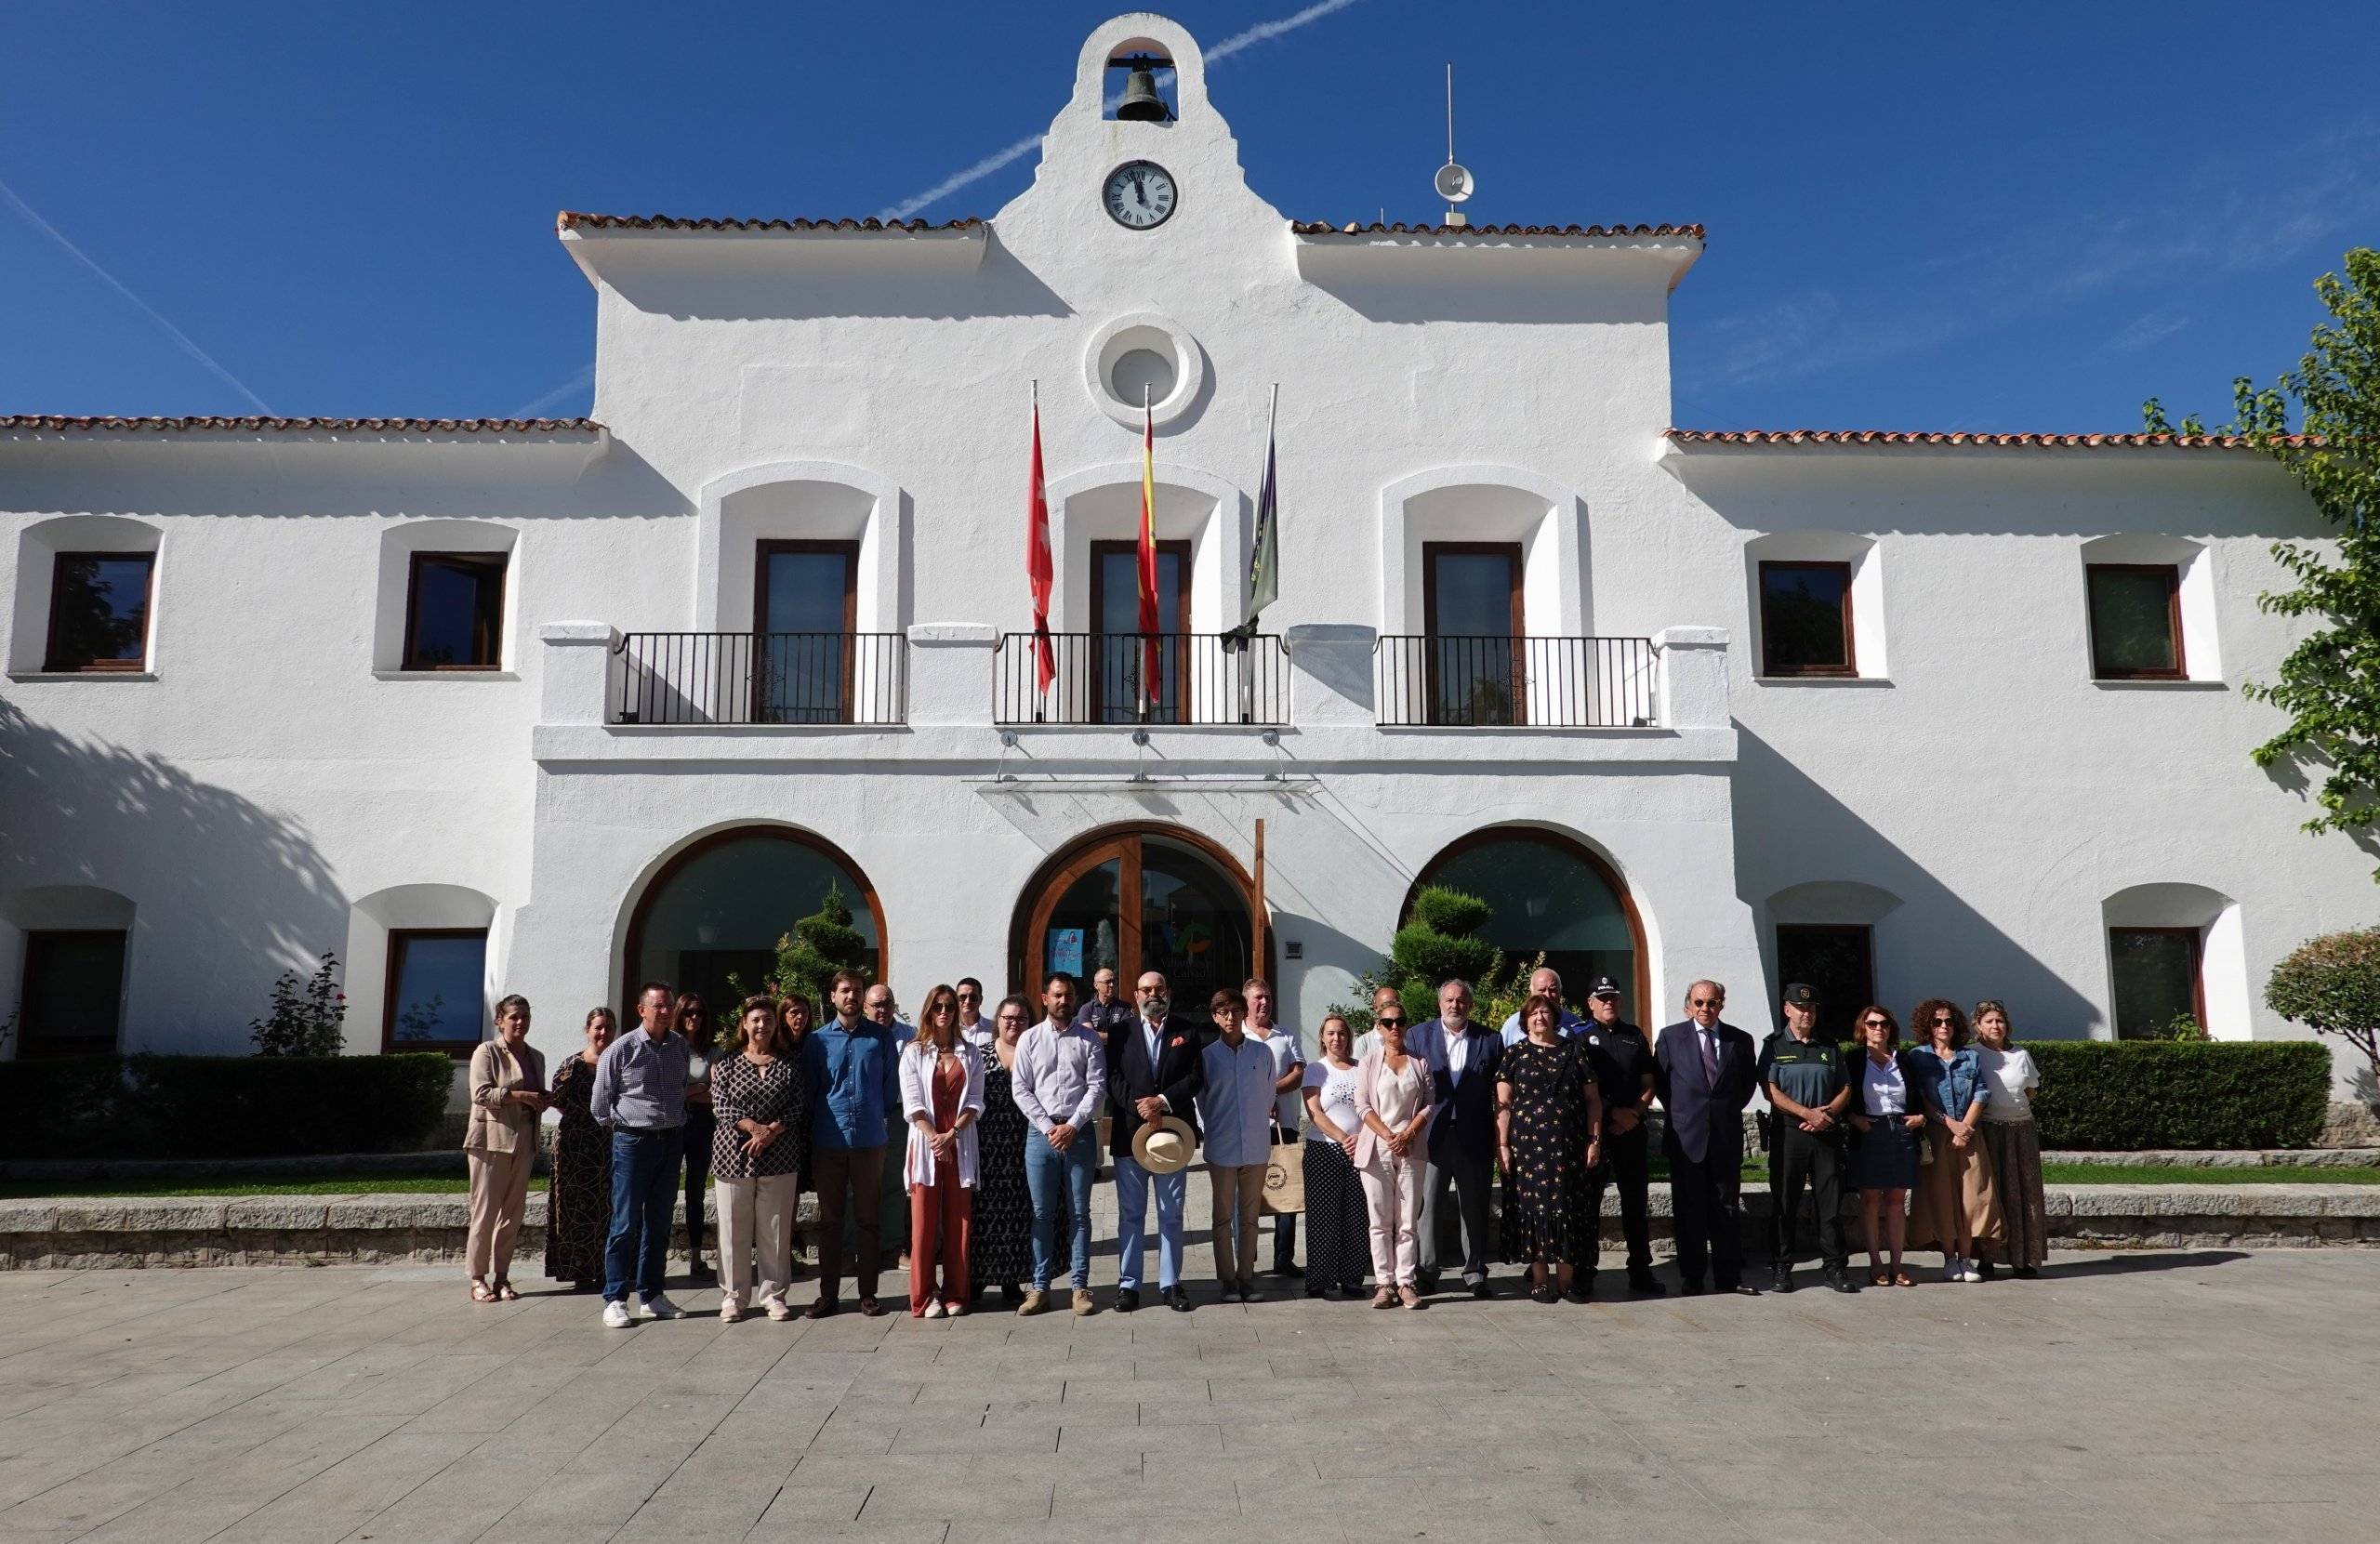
(1263, 31)
(182, 338)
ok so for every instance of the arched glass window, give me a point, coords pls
(1548, 895)
(718, 909)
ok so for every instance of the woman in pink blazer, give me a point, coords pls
(1393, 1099)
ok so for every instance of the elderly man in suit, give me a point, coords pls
(1704, 1073)
(1153, 1071)
(1462, 1136)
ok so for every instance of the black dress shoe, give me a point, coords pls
(1691, 1289)
(1783, 1280)
(1127, 1299)
(1985, 1269)
(1740, 1288)
(1482, 1290)
(1644, 1285)
(1177, 1298)
(1839, 1282)
(1577, 1294)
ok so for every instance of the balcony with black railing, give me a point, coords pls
(1143, 680)
(1502, 682)
(739, 679)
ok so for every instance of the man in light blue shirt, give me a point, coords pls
(849, 1065)
(1236, 1094)
(1061, 1067)
(640, 1095)
(1543, 981)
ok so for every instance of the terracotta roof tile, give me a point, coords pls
(1323, 228)
(572, 219)
(317, 425)
(1939, 437)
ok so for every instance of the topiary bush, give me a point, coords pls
(1438, 943)
(221, 1107)
(2119, 1095)
(2332, 984)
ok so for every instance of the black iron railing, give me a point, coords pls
(1545, 682)
(1144, 679)
(760, 679)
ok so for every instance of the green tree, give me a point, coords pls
(1439, 941)
(307, 1017)
(2330, 683)
(2332, 985)
(820, 945)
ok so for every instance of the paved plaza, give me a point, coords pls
(2181, 1396)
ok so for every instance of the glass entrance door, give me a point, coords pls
(1139, 902)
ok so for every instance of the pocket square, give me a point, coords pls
(1176, 1040)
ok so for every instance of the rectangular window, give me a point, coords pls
(2156, 977)
(437, 989)
(1806, 619)
(805, 608)
(73, 993)
(1118, 658)
(454, 611)
(2136, 621)
(1471, 607)
(99, 610)
(1840, 961)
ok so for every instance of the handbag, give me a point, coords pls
(1284, 1175)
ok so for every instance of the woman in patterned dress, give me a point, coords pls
(1337, 1234)
(579, 1198)
(762, 1108)
(1549, 1116)
(1000, 1241)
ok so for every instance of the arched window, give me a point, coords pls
(718, 908)
(1549, 894)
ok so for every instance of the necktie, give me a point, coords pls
(1710, 1057)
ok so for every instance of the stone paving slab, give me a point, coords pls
(2145, 1397)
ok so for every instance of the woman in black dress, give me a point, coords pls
(579, 1198)
(693, 1022)
(1000, 1249)
(1548, 1117)
(794, 1013)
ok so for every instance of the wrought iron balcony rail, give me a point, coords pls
(1144, 679)
(1475, 679)
(760, 679)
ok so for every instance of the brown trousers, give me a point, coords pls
(850, 1181)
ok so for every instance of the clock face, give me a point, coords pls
(1139, 195)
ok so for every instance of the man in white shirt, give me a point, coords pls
(1288, 1061)
(973, 1028)
(1543, 981)
(1236, 1093)
(1061, 1067)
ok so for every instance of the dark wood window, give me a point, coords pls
(99, 610)
(454, 611)
(1471, 609)
(1806, 620)
(1838, 959)
(2136, 621)
(71, 998)
(1118, 657)
(2156, 977)
(805, 609)
(437, 995)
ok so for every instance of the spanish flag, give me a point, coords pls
(1151, 666)
(1038, 570)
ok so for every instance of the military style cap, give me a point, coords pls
(1604, 987)
(1801, 994)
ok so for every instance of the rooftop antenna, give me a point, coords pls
(1453, 181)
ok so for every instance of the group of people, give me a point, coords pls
(1408, 1130)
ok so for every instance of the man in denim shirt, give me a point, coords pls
(640, 1096)
(849, 1066)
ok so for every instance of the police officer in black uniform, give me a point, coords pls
(1622, 1060)
(1808, 1084)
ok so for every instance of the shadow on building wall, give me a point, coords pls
(226, 893)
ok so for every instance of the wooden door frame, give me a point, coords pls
(1058, 874)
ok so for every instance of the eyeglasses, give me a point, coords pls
(1706, 1002)
(1390, 1023)
(1875, 1024)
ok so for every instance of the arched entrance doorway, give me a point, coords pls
(717, 909)
(1552, 896)
(1134, 899)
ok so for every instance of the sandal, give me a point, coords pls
(481, 1291)
(1880, 1277)
(503, 1292)
(1902, 1278)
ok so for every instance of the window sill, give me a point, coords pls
(82, 674)
(2160, 685)
(444, 675)
(1821, 681)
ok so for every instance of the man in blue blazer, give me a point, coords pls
(1705, 1074)
(1464, 1059)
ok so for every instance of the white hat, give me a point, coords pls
(1164, 1145)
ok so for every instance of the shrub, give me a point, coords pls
(221, 1107)
(2112, 1095)
(1438, 943)
(2332, 984)
(307, 1019)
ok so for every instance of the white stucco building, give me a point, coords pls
(553, 706)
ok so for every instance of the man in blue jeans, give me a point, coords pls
(1061, 1067)
(640, 1095)
(1153, 1072)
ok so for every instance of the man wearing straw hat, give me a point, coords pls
(1153, 1077)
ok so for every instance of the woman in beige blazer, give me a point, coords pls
(500, 1144)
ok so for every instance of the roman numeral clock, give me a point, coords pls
(1139, 195)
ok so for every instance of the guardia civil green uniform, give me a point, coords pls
(1810, 1072)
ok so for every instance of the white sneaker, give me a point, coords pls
(1967, 1271)
(778, 1311)
(1953, 1268)
(657, 1306)
(616, 1316)
(730, 1310)
(933, 1309)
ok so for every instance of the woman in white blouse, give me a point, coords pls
(942, 1096)
(1393, 1101)
(1885, 1118)
(2012, 1141)
(1336, 1246)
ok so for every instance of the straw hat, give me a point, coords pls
(1164, 1145)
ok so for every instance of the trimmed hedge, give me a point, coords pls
(2115, 1095)
(221, 1107)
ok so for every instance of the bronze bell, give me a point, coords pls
(1140, 103)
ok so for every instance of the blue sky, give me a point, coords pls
(1982, 218)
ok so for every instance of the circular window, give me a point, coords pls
(1141, 359)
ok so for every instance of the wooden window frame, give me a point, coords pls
(2197, 937)
(51, 663)
(37, 938)
(1769, 664)
(761, 552)
(1518, 557)
(2172, 574)
(502, 563)
(391, 970)
(1180, 693)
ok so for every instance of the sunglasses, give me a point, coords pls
(1390, 1023)
(1875, 1024)
(1706, 1002)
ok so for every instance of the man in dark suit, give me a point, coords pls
(1463, 1138)
(1153, 1071)
(1705, 1074)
